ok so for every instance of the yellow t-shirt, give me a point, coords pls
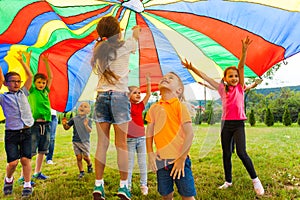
(167, 117)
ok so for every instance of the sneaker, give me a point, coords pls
(258, 187)
(8, 187)
(27, 192)
(124, 193)
(81, 175)
(40, 176)
(21, 181)
(49, 162)
(98, 193)
(90, 168)
(144, 190)
(225, 185)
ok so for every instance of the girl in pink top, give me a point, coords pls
(231, 90)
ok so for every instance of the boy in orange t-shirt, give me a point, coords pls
(170, 127)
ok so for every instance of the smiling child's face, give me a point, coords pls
(84, 108)
(232, 77)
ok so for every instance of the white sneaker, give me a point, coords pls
(258, 187)
(50, 162)
(144, 190)
(225, 185)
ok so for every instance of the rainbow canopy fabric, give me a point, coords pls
(208, 33)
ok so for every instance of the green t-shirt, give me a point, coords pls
(40, 103)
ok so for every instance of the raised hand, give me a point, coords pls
(246, 42)
(186, 64)
(136, 32)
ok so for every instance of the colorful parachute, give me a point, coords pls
(208, 33)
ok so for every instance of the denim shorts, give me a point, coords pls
(17, 144)
(40, 137)
(112, 107)
(165, 182)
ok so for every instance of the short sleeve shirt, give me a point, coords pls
(80, 134)
(16, 109)
(168, 116)
(232, 102)
(40, 103)
(136, 125)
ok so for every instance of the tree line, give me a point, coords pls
(276, 107)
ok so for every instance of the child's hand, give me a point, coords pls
(27, 56)
(186, 64)
(64, 121)
(148, 78)
(19, 57)
(152, 161)
(246, 42)
(45, 57)
(258, 81)
(178, 168)
(136, 32)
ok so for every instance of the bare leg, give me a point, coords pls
(168, 197)
(188, 198)
(102, 146)
(10, 168)
(39, 162)
(79, 162)
(26, 168)
(121, 146)
(87, 160)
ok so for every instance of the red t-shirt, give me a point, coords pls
(136, 125)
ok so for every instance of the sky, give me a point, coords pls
(287, 75)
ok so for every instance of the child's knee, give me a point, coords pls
(13, 164)
(168, 197)
(79, 157)
(122, 144)
(86, 157)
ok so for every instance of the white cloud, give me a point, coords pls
(287, 75)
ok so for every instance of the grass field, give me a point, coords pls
(275, 152)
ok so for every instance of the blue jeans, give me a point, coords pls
(137, 145)
(53, 125)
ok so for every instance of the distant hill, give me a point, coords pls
(266, 91)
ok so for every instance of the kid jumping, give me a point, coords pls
(231, 90)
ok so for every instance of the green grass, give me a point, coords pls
(275, 152)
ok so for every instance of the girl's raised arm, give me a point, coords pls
(245, 44)
(201, 74)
